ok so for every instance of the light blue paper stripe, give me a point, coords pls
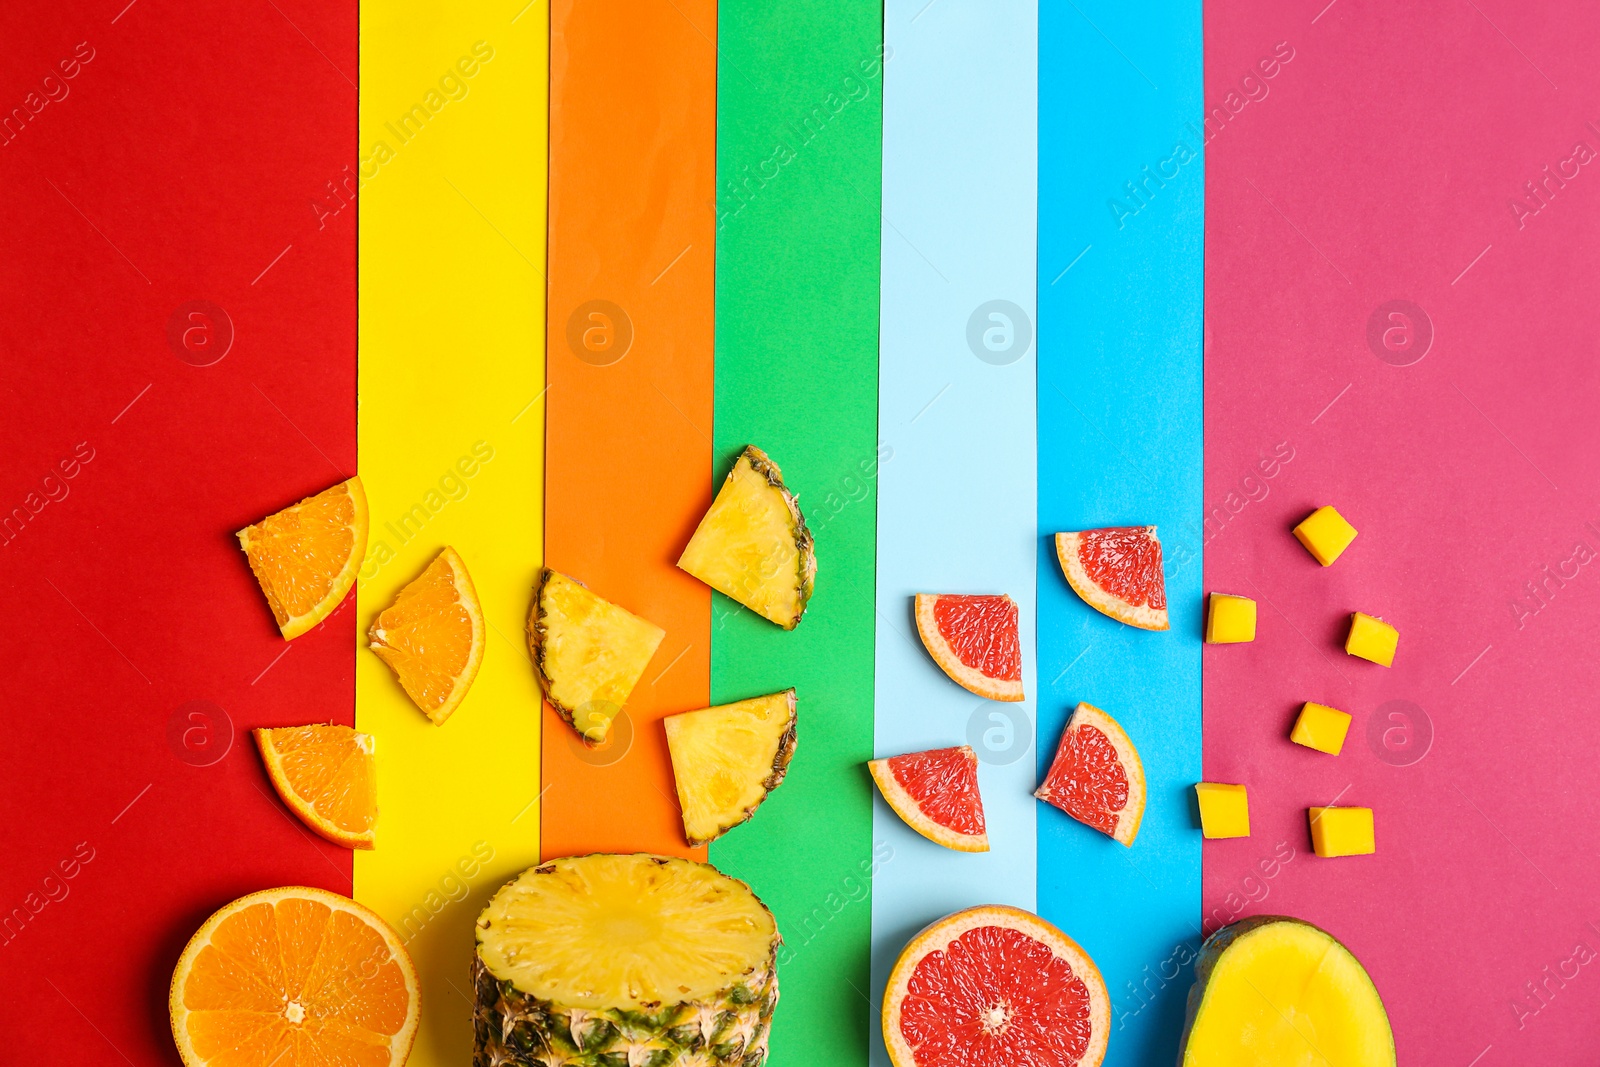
(957, 498)
(1121, 188)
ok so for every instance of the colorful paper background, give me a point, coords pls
(1318, 253)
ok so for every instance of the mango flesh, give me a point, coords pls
(1278, 992)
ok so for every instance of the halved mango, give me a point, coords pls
(1278, 992)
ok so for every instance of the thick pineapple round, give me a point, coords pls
(643, 959)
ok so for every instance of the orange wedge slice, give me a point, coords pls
(326, 776)
(294, 977)
(432, 636)
(306, 556)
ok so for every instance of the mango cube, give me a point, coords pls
(1372, 639)
(1342, 832)
(1230, 620)
(1224, 810)
(1326, 534)
(1320, 727)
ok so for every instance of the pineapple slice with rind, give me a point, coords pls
(753, 544)
(630, 959)
(726, 760)
(587, 652)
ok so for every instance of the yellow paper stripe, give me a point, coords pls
(452, 224)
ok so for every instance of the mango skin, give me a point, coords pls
(1212, 952)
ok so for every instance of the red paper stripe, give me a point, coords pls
(179, 162)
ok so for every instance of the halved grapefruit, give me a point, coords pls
(974, 639)
(936, 793)
(1097, 777)
(995, 985)
(1117, 571)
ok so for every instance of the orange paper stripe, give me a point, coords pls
(628, 461)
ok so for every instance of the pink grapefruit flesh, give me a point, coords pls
(1097, 777)
(995, 986)
(974, 640)
(1117, 571)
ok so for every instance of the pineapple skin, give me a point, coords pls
(804, 541)
(515, 1029)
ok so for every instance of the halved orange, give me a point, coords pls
(1097, 776)
(995, 985)
(305, 557)
(1117, 571)
(294, 977)
(936, 793)
(974, 640)
(432, 636)
(326, 774)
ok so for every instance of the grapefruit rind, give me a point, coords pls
(298, 804)
(966, 677)
(938, 936)
(1132, 813)
(905, 805)
(399, 1043)
(292, 626)
(467, 595)
(1143, 616)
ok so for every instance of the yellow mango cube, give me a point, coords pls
(1224, 810)
(1342, 832)
(1326, 534)
(1372, 639)
(1321, 727)
(1230, 620)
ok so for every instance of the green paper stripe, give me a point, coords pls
(799, 166)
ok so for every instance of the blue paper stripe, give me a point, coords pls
(957, 407)
(1121, 187)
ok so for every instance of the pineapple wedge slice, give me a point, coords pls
(753, 544)
(635, 959)
(727, 759)
(587, 652)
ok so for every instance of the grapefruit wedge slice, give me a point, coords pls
(1117, 571)
(974, 640)
(936, 793)
(995, 985)
(1097, 777)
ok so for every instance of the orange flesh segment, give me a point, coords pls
(427, 636)
(329, 770)
(294, 983)
(304, 554)
(944, 783)
(982, 632)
